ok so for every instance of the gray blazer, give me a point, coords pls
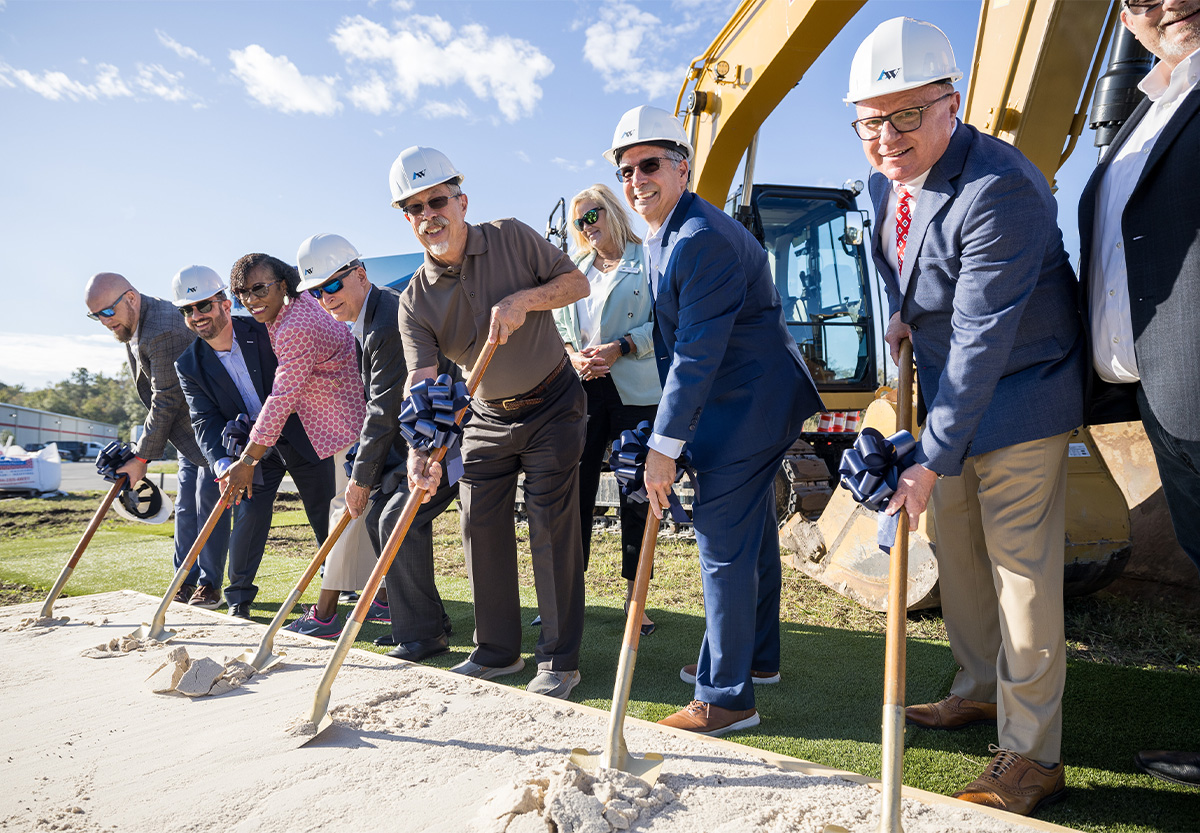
(990, 296)
(161, 338)
(1160, 227)
(381, 448)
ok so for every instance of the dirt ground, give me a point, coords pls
(88, 746)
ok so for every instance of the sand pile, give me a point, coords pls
(411, 748)
(202, 677)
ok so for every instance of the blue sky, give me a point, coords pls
(141, 137)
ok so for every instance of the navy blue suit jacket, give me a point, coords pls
(733, 380)
(989, 294)
(213, 399)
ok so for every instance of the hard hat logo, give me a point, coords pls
(418, 174)
(888, 74)
(191, 289)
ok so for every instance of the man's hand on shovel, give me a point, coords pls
(422, 474)
(659, 478)
(912, 492)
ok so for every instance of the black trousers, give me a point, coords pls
(607, 417)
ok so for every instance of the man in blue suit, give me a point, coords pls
(735, 391)
(969, 251)
(227, 371)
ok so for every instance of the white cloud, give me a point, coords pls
(523, 156)
(566, 164)
(157, 81)
(425, 52)
(398, 5)
(179, 49)
(634, 50)
(39, 360)
(372, 95)
(276, 82)
(58, 86)
(445, 109)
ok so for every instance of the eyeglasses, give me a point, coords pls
(329, 287)
(1139, 9)
(589, 218)
(905, 121)
(416, 209)
(647, 166)
(203, 308)
(110, 310)
(259, 290)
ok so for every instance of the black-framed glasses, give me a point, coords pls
(416, 209)
(905, 121)
(259, 290)
(1139, 9)
(204, 307)
(329, 288)
(647, 166)
(589, 218)
(110, 310)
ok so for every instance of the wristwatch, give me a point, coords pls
(626, 347)
(247, 460)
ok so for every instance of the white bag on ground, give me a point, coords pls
(24, 471)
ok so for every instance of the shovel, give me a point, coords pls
(615, 754)
(897, 621)
(93, 525)
(319, 719)
(261, 657)
(156, 629)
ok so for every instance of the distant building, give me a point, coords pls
(29, 425)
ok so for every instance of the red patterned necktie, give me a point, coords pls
(903, 221)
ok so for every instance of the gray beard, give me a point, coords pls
(439, 249)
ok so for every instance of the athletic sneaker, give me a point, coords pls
(310, 625)
(487, 672)
(688, 675)
(554, 683)
(379, 612)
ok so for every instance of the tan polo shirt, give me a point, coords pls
(451, 309)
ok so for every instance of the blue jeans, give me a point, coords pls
(198, 495)
(1179, 468)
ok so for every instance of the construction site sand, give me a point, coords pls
(86, 745)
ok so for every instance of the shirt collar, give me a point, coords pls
(360, 323)
(1159, 81)
(656, 237)
(476, 245)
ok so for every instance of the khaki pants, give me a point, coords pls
(1000, 528)
(352, 558)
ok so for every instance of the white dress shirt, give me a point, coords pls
(656, 261)
(1108, 297)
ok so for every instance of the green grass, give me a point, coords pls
(1133, 680)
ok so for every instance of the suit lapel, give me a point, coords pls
(1187, 109)
(216, 371)
(248, 341)
(937, 191)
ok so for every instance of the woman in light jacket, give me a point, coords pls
(609, 339)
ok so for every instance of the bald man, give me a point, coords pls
(154, 335)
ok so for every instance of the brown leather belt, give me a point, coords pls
(530, 397)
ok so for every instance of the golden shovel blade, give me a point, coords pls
(260, 660)
(149, 631)
(646, 767)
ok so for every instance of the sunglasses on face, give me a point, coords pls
(329, 288)
(589, 218)
(259, 290)
(1140, 9)
(203, 308)
(110, 310)
(646, 166)
(416, 209)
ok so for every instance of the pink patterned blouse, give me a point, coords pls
(317, 378)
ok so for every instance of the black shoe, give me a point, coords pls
(1176, 767)
(421, 649)
(241, 610)
(385, 641)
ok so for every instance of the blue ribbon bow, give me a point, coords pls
(870, 471)
(628, 464)
(235, 437)
(427, 420)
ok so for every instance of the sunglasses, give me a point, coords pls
(109, 311)
(1140, 9)
(329, 288)
(416, 209)
(259, 290)
(647, 166)
(203, 308)
(589, 218)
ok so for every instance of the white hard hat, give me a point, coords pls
(901, 54)
(320, 256)
(195, 283)
(647, 125)
(418, 168)
(144, 502)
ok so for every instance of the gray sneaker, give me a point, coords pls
(554, 683)
(486, 672)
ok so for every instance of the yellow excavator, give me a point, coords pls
(1035, 68)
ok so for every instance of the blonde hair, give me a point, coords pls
(618, 220)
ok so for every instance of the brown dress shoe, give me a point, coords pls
(184, 594)
(707, 719)
(952, 713)
(205, 597)
(1016, 784)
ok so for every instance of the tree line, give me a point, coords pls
(87, 395)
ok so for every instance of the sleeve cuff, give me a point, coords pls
(666, 446)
